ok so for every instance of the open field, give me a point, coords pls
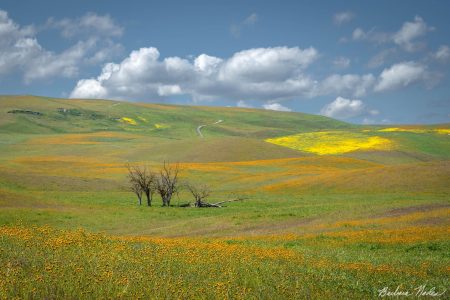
(334, 210)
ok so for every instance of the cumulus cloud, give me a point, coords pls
(406, 37)
(401, 75)
(21, 52)
(16, 44)
(268, 64)
(343, 17)
(343, 108)
(108, 50)
(409, 32)
(348, 84)
(276, 106)
(271, 75)
(47, 64)
(260, 74)
(139, 74)
(90, 88)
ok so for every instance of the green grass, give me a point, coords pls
(342, 226)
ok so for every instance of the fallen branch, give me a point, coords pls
(231, 200)
(206, 204)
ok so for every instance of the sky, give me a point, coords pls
(367, 62)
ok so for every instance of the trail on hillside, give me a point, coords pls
(199, 128)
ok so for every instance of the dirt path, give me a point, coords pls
(199, 128)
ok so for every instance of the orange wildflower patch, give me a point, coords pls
(407, 218)
(405, 235)
(79, 138)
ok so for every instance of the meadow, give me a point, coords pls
(333, 210)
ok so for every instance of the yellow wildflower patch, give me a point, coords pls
(398, 129)
(161, 126)
(442, 131)
(121, 262)
(416, 130)
(332, 142)
(128, 121)
(142, 119)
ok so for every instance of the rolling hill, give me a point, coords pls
(349, 203)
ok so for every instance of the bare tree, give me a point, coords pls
(145, 179)
(167, 184)
(200, 194)
(136, 188)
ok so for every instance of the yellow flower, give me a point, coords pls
(128, 121)
(332, 142)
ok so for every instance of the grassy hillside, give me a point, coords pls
(329, 203)
(66, 116)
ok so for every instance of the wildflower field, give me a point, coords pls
(332, 210)
(332, 142)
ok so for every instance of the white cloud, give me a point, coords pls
(401, 75)
(343, 17)
(243, 104)
(48, 64)
(409, 32)
(251, 20)
(260, 74)
(89, 24)
(348, 84)
(406, 37)
(236, 28)
(358, 34)
(276, 106)
(372, 121)
(169, 90)
(108, 51)
(268, 64)
(21, 52)
(341, 62)
(442, 54)
(207, 64)
(343, 108)
(140, 74)
(89, 88)
(381, 58)
(372, 36)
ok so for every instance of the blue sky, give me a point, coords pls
(359, 61)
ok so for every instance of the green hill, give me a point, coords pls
(327, 203)
(66, 115)
(156, 132)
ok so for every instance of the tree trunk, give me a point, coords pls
(140, 200)
(149, 198)
(168, 198)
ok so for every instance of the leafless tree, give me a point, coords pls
(167, 183)
(200, 194)
(136, 188)
(143, 178)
